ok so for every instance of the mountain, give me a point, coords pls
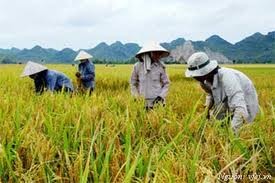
(66, 55)
(36, 53)
(114, 52)
(218, 44)
(216, 40)
(255, 48)
(14, 50)
(183, 52)
(174, 44)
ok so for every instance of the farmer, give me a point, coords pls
(47, 79)
(149, 78)
(230, 93)
(86, 72)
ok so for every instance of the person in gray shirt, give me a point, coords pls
(149, 78)
(230, 93)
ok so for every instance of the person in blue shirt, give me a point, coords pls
(45, 79)
(86, 72)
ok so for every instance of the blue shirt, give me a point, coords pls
(53, 81)
(87, 71)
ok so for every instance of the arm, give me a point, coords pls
(89, 74)
(39, 86)
(236, 101)
(209, 102)
(165, 83)
(134, 82)
(51, 82)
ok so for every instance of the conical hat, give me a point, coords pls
(32, 68)
(82, 55)
(152, 46)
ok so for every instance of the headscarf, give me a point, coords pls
(147, 62)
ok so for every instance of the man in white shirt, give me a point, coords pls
(230, 93)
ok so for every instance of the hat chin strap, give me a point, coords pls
(197, 67)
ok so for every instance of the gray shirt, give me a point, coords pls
(151, 84)
(235, 90)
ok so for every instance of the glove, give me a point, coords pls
(77, 74)
(158, 100)
(137, 98)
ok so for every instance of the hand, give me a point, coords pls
(77, 74)
(158, 100)
(137, 98)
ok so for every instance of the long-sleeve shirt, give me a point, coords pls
(87, 71)
(53, 81)
(233, 90)
(149, 84)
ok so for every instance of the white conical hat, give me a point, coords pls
(82, 55)
(152, 46)
(32, 68)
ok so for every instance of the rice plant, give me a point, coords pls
(109, 136)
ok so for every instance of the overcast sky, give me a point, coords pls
(85, 23)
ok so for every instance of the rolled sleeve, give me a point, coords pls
(209, 101)
(165, 83)
(89, 74)
(51, 82)
(236, 100)
(134, 82)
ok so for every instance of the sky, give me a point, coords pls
(85, 23)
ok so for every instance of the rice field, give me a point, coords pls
(109, 137)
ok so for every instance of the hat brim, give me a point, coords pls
(29, 74)
(203, 71)
(164, 53)
(79, 59)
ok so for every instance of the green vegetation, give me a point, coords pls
(109, 137)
